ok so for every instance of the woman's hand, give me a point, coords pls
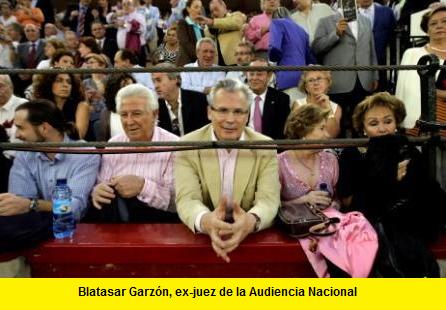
(323, 101)
(402, 169)
(317, 198)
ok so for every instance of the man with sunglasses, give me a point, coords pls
(227, 193)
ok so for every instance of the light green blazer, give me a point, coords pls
(198, 185)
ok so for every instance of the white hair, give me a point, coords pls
(137, 90)
(205, 40)
(232, 85)
(7, 79)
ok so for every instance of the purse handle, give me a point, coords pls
(322, 228)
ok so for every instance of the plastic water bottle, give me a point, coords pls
(63, 218)
(324, 187)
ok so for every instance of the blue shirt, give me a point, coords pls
(289, 46)
(34, 175)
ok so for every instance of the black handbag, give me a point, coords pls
(303, 220)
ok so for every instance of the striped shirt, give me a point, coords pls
(34, 175)
(155, 168)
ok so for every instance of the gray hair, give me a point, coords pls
(137, 90)
(232, 85)
(170, 75)
(281, 12)
(205, 40)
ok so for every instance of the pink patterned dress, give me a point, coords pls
(353, 247)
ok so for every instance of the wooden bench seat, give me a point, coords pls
(169, 250)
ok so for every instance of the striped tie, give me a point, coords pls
(81, 22)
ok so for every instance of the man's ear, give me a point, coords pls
(209, 113)
(44, 128)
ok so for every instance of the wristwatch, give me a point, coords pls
(33, 205)
(257, 224)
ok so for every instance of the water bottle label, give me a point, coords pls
(61, 206)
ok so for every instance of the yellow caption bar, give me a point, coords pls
(83, 294)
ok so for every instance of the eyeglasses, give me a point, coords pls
(224, 112)
(316, 80)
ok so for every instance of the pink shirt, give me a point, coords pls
(253, 31)
(155, 168)
(227, 161)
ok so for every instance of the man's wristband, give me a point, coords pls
(33, 205)
(257, 223)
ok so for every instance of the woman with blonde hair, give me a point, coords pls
(315, 84)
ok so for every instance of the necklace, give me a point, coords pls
(311, 170)
(436, 49)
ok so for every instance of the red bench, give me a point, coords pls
(169, 250)
(164, 250)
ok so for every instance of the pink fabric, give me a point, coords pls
(257, 115)
(253, 32)
(353, 247)
(227, 161)
(156, 168)
(132, 41)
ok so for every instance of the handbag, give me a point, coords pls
(303, 220)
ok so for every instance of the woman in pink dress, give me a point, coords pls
(351, 250)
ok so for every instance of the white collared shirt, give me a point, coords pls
(8, 109)
(253, 105)
(100, 43)
(143, 78)
(198, 81)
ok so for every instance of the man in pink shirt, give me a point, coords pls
(227, 193)
(257, 30)
(136, 187)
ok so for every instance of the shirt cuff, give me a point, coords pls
(198, 221)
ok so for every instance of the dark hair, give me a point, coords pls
(382, 99)
(43, 89)
(45, 111)
(59, 53)
(91, 43)
(188, 5)
(126, 54)
(17, 27)
(112, 86)
(424, 24)
(303, 120)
